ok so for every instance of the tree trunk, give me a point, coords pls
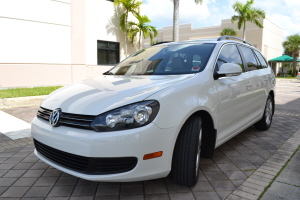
(126, 35)
(244, 31)
(294, 66)
(140, 40)
(175, 21)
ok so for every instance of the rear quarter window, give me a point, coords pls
(261, 59)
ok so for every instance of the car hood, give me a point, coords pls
(103, 93)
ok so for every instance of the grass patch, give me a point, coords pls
(24, 92)
(288, 77)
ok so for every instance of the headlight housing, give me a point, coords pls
(127, 117)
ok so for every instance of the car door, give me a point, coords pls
(233, 95)
(267, 76)
(257, 77)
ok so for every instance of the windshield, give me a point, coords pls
(166, 60)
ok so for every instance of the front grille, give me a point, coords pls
(86, 165)
(68, 119)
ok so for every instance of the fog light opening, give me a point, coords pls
(152, 155)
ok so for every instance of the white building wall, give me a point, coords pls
(102, 23)
(54, 42)
(268, 40)
(35, 31)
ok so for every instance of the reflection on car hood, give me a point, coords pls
(103, 93)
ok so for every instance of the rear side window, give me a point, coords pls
(229, 54)
(251, 61)
(261, 59)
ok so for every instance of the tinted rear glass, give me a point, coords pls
(261, 59)
(166, 60)
(250, 58)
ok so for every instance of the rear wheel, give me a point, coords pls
(266, 120)
(186, 158)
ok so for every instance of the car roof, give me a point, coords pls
(222, 40)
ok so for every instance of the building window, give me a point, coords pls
(108, 53)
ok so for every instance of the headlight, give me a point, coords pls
(127, 117)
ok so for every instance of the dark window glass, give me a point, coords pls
(102, 45)
(229, 54)
(102, 57)
(114, 46)
(113, 57)
(250, 58)
(108, 53)
(166, 60)
(261, 59)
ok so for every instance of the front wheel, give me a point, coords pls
(265, 122)
(186, 157)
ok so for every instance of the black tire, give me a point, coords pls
(185, 166)
(265, 122)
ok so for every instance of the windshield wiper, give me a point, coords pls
(108, 73)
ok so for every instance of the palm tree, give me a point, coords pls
(141, 27)
(292, 44)
(247, 13)
(129, 6)
(228, 31)
(176, 19)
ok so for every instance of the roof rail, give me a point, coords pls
(161, 43)
(225, 37)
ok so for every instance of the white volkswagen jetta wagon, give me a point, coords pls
(157, 112)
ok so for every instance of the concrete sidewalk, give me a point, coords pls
(277, 171)
(287, 183)
(21, 101)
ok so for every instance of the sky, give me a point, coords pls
(284, 13)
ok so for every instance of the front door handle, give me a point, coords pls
(249, 85)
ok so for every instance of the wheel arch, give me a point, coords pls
(209, 133)
(273, 97)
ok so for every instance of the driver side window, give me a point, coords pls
(229, 54)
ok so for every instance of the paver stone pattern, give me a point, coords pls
(24, 176)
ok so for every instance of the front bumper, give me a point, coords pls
(128, 143)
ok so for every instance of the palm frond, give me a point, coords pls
(259, 13)
(228, 31)
(257, 23)
(132, 33)
(240, 23)
(198, 1)
(245, 12)
(123, 21)
(234, 18)
(292, 44)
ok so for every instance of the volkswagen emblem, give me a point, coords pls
(54, 117)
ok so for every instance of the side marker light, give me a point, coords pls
(153, 155)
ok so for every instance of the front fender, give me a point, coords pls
(180, 101)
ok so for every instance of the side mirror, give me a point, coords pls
(227, 70)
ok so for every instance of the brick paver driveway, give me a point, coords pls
(23, 176)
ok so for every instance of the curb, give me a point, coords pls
(282, 79)
(253, 187)
(21, 101)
